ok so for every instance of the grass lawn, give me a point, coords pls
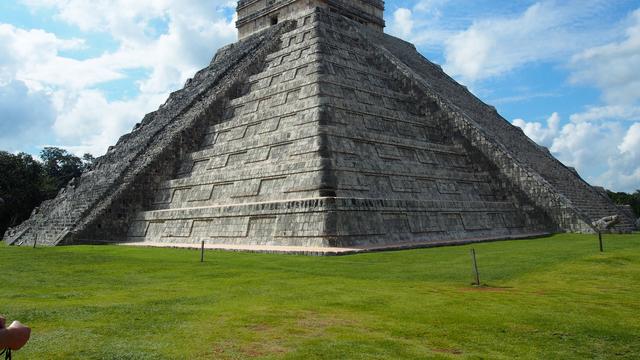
(550, 298)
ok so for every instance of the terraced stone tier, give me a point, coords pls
(334, 222)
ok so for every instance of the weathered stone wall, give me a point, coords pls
(257, 15)
(257, 177)
(411, 178)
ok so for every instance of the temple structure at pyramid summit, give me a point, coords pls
(317, 129)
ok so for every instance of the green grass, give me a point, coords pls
(551, 298)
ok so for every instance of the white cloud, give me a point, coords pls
(402, 24)
(92, 123)
(33, 57)
(22, 50)
(168, 39)
(420, 24)
(614, 125)
(479, 42)
(608, 112)
(468, 55)
(124, 20)
(546, 31)
(194, 30)
(430, 6)
(631, 142)
(595, 149)
(540, 133)
(586, 145)
(606, 153)
(22, 114)
(613, 68)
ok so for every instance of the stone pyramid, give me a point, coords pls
(316, 129)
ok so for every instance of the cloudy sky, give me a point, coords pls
(78, 74)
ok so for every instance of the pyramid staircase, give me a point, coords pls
(322, 149)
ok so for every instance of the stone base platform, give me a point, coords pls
(327, 251)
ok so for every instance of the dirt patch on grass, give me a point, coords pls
(314, 321)
(232, 350)
(260, 350)
(280, 337)
(260, 327)
(448, 351)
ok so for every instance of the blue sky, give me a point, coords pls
(79, 74)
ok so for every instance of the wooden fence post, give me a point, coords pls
(475, 267)
(600, 240)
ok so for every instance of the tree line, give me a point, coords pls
(25, 181)
(622, 198)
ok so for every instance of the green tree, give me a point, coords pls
(87, 162)
(25, 182)
(22, 183)
(635, 203)
(61, 166)
(622, 198)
